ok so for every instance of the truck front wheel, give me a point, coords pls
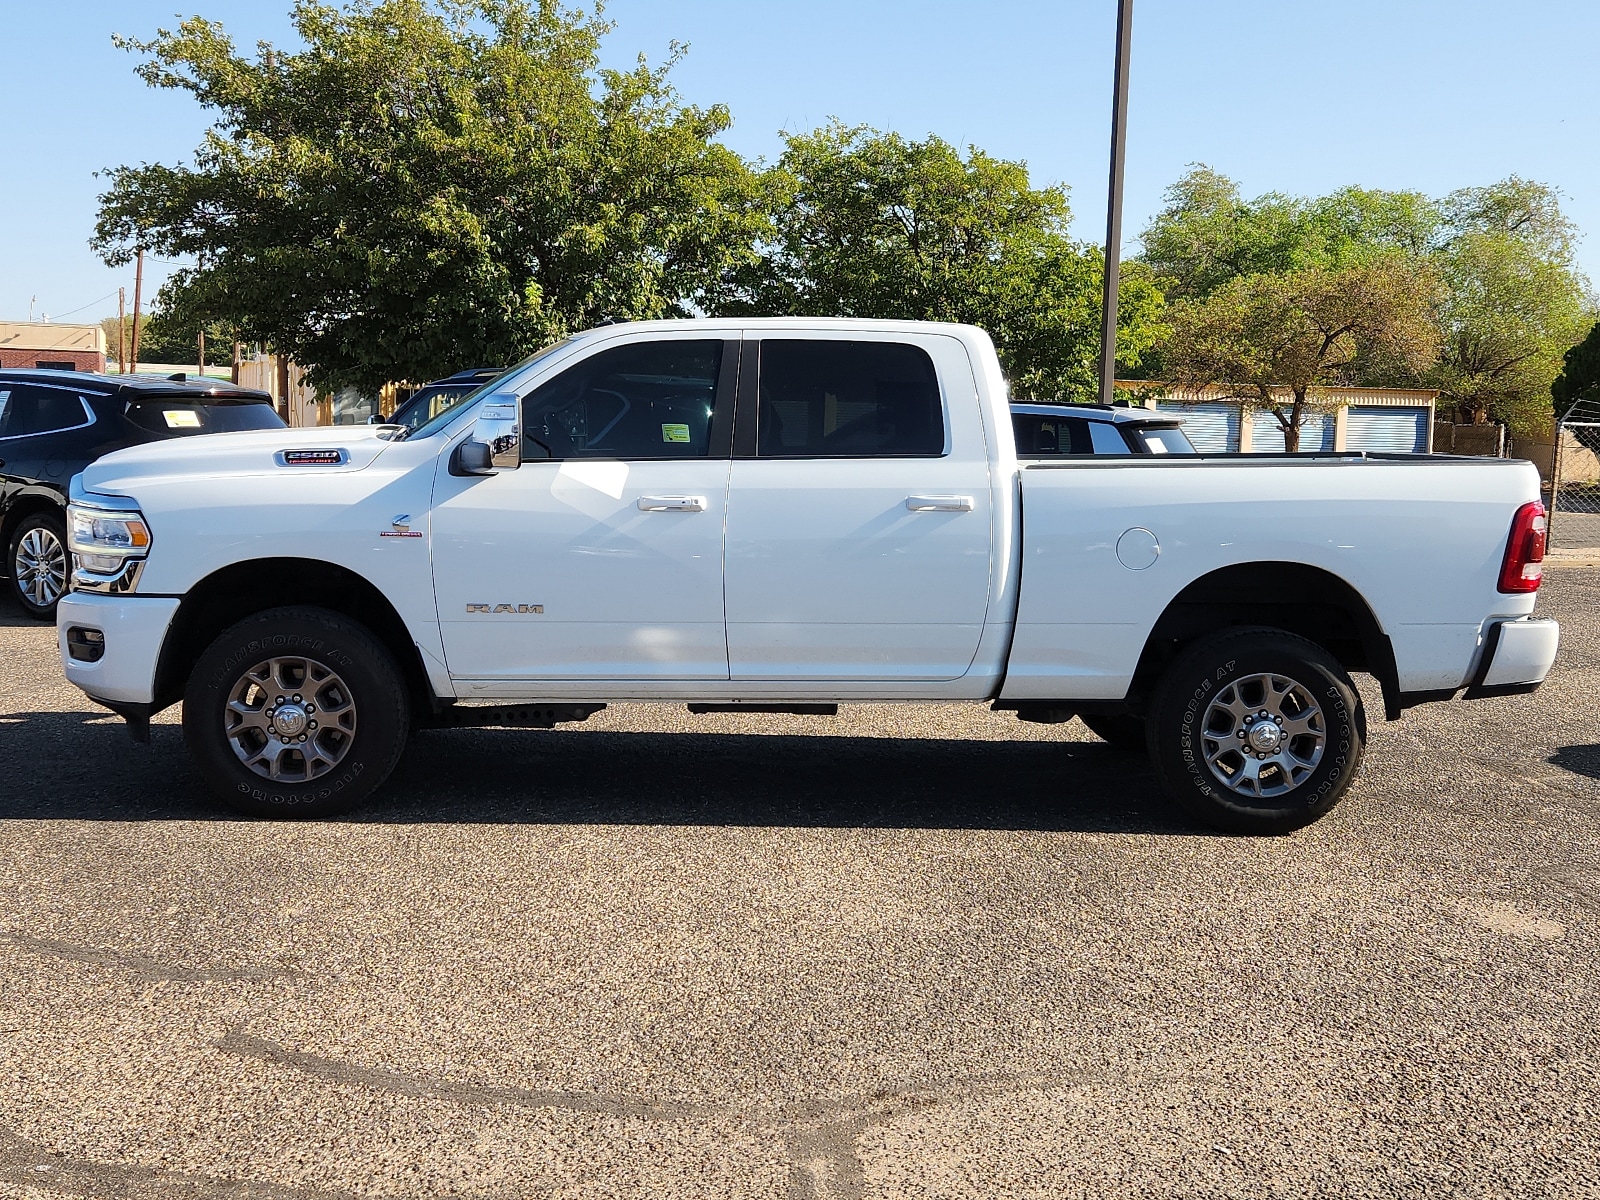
(295, 712)
(1256, 731)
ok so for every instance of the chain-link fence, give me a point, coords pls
(1575, 479)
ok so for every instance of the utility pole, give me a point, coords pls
(122, 331)
(138, 287)
(1119, 138)
(200, 332)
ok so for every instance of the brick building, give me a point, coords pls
(34, 344)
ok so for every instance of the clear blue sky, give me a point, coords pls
(1280, 94)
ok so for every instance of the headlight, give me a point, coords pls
(104, 543)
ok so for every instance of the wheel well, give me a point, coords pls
(19, 511)
(238, 590)
(1304, 600)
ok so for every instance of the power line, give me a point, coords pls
(81, 307)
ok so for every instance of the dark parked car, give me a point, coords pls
(1060, 430)
(55, 423)
(441, 394)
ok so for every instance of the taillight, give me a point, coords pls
(1524, 564)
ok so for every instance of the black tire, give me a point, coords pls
(1319, 743)
(280, 665)
(1122, 731)
(35, 594)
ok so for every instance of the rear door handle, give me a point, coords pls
(939, 503)
(672, 503)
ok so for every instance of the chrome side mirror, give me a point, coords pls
(499, 428)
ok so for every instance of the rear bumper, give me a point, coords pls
(134, 627)
(1517, 655)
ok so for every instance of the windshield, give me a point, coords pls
(430, 402)
(443, 417)
(178, 415)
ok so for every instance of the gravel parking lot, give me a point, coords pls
(908, 952)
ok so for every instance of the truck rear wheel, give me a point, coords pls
(295, 712)
(1256, 731)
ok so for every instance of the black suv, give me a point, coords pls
(55, 423)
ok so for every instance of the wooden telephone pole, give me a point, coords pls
(138, 287)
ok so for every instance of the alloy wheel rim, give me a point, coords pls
(1263, 735)
(41, 567)
(290, 719)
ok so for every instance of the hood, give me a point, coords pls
(248, 453)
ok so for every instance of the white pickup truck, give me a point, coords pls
(782, 515)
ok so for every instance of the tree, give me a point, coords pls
(1512, 303)
(162, 341)
(1507, 315)
(429, 184)
(1580, 384)
(870, 224)
(1302, 330)
(1207, 234)
(1509, 303)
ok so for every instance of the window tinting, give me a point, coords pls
(1165, 439)
(1041, 436)
(1106, 438)
(177, 416)
(646, 400)
(42, 410)
(847, 399)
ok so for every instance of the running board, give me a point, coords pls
(796, 710)
(510, 716)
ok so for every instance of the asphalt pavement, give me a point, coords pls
(905, 952)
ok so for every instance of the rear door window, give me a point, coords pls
(838, 399)
(645, 400)
(35, 410)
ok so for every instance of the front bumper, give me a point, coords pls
(1517, 655)
(134, 628)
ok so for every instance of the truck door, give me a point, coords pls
(859, 517)
(601, 556)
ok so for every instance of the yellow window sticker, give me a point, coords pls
(674, 433)
(181, 418)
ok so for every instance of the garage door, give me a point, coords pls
(1402, 430)
(1316, 433)
(1213, 428)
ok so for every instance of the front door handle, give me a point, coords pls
(939, 503)
(672, 503)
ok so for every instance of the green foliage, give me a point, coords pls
(1509, 300)
(869, 224)
(428, 184)
(1509, 311)
(163, 340)
(1207, 234)
(1579, 381)
(1303, 330)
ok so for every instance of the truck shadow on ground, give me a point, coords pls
(1580, 760)
(82, 766)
